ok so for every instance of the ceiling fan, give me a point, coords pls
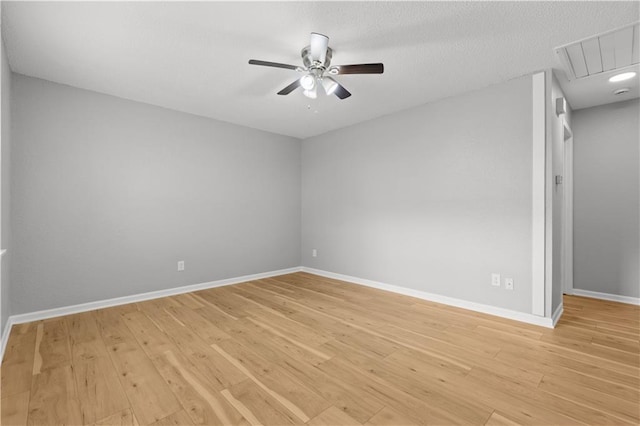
(318, 70)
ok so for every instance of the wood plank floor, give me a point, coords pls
(299, 349)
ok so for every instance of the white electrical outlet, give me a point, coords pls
(181, 266)
(314, 253)
(508, 283)
(495, 280)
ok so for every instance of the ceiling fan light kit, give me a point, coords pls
(311, 93)
(308, 82)
(317, 69)
(329, 84)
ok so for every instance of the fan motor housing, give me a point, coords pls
(310, 64)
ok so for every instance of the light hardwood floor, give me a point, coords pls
(304, 349)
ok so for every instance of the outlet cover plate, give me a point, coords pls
(495, 280)
(508, 283)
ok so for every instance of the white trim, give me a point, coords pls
(567, 211)
(538, 195)
(3, 252)
(557, 314)
(5, 337)
(607, 296)
(91, 306)
(472, 306)
(549, 195)
(445, 300)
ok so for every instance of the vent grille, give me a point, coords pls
(613, 50)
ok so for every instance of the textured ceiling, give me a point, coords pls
(193, 57)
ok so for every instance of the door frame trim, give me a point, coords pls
(567, 211)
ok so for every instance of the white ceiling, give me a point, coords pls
(193, 57)
(596, 89)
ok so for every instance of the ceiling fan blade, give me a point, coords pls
(318, 47)
(272, 64)
(341, 92)
(290, 88)
(361, 69)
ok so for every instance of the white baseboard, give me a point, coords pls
(557, 314)
(5, 337)
(607, 296)
(92, 306)
(445, 300)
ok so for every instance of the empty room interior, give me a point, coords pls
(322, 213)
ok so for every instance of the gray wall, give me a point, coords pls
(434, 198)
(606, 197)
(108, 194)
(5, 155)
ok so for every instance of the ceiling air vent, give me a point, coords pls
(613, 50)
